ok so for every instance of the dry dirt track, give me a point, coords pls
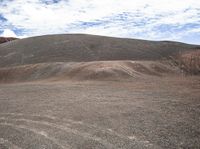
(149, 113)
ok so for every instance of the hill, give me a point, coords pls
(78, 48)
(95, 92)
(96, 55)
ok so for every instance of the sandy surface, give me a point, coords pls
(150, 113)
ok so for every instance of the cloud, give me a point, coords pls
(146, 19)
(8, 33)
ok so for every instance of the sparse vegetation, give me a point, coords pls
(190, 62)
(4, 39)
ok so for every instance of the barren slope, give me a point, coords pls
(96, 70)
(145, 101)
(79, 48)
(86, 57)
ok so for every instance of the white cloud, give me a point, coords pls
(123, 18)
(8, 33)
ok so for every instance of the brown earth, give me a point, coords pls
(6, 39)
(96, 70)
(94, 57)
(95, 92)
(145, 113)
(189, 62)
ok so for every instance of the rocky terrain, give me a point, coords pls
(94, 92)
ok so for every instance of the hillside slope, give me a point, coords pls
(94, 57)
(78, 48)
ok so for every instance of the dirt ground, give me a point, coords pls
(142, 113)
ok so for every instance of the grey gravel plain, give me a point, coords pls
(142, 113)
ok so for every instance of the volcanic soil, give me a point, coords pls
(95, 92)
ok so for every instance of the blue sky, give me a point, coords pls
(144, 19)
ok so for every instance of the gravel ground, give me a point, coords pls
(149, 113)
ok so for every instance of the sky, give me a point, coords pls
(176, 20)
